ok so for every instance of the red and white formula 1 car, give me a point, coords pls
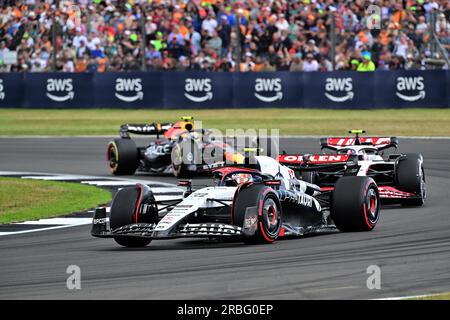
(400, 177)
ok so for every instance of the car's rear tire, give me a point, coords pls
(123, 208)
(122, 156)
(411, 178)
(269, 212)
(184, 154)
(355, 204)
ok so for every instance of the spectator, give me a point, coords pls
(107, 35)
(215, 43)
(209, 24)
(310, 64)
(367, 63)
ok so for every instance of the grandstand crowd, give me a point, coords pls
(107, 35)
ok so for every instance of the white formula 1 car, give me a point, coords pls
(257, 204)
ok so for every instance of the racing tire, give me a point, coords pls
(269, 211)
(181, 160)
(355, 204)
(411, 178)
(122, 156)
(123, 209)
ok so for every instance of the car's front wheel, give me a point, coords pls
(123, 212)
(268, 208)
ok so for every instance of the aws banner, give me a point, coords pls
(268, 89)
(198, 90)
(343, 90)
(58, 90)
(128, 90)
(11, 90)
(409, 89)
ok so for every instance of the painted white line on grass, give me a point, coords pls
(160, 191)
(105, 183)
(56, 178)
(83, 177)
(58, 221)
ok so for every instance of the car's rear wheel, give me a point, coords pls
(123, 209)
(122, 156)
(355, 204)
(411, 178)
(268, 208)
(183, 155)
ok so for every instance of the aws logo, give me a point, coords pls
(198, 90)
(2, 90)
(339, 85)
(60, 90)
(271, 87)
(410, 84)
(131, 86)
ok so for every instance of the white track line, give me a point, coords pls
(83, 177)
(105, 183)
(412, 297)
(58, 221)
(56, 178)
(42, 229)
(65, 222)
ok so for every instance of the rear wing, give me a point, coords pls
(381, 143)
(155, 128)
(316, 162)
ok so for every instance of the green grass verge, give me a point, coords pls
(438, 296)
(413, 122)
(23, 199)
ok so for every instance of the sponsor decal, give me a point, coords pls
(158, 150)
(198, 89)
(341, 142)
(268, 89)
(339, 89)
(2, 90)
(99, 221)
(60, 90)
(317, 159)
(304, 200)
(129, 89)
(299, 198)
(210, 228)
(410, 88)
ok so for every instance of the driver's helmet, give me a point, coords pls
(351, 152)
(240, 178)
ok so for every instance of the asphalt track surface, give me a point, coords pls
(411, 246)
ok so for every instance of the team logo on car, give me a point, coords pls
(338, 86)
(268, 89)
(198, 90)
(60, 90)
(131, 86)
(408, 84)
